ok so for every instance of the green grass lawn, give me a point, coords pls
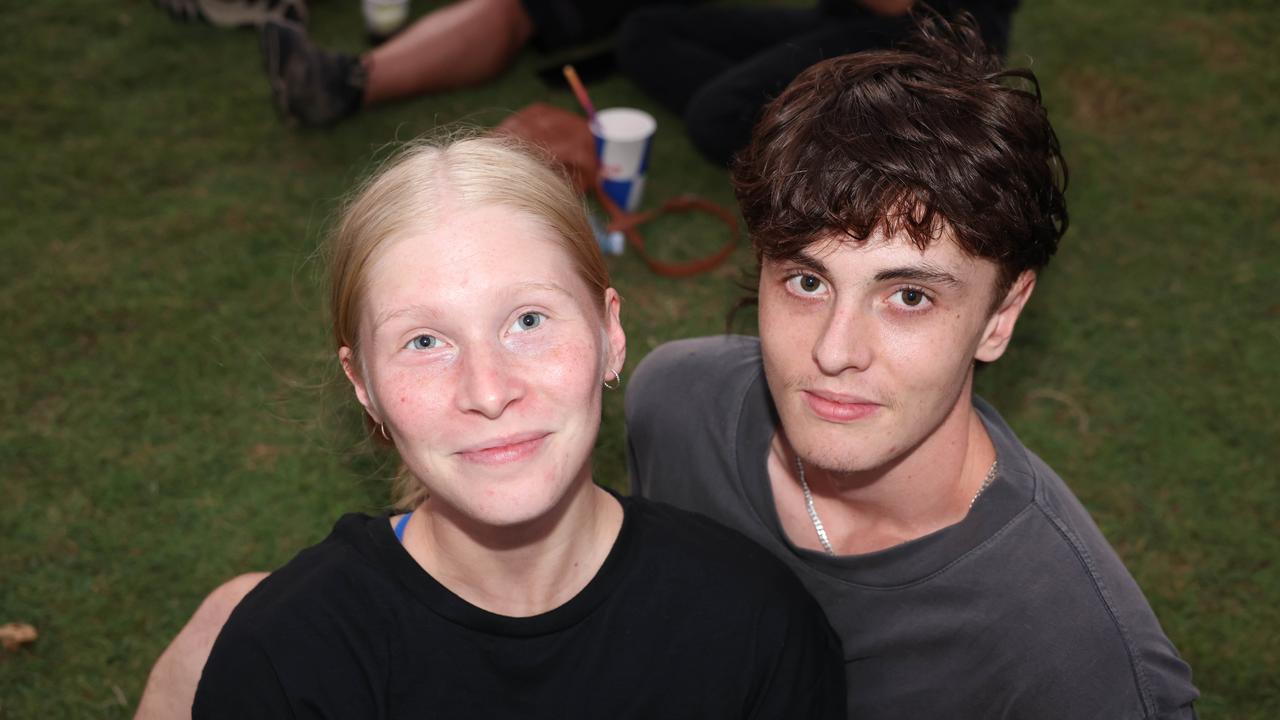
(172, 413)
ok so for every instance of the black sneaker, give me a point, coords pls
(311, 86)
(235, 13)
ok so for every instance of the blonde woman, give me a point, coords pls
(473, 316)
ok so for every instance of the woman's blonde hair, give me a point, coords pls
(419, 182)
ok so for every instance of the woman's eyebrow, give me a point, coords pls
(420, 309)
(550, 286)
(388, 316)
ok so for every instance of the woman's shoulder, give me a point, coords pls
(312, 629)
(345, 569)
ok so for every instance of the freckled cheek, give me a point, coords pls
(564, 370)
(415, 403)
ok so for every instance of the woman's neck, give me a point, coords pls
(523, 570)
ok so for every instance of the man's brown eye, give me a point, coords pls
(912, 298)
(809, 283)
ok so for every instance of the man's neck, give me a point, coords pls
(929, 488)
(524, 571)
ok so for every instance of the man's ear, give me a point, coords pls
(614, 334)
(350, 366)
(999, 330)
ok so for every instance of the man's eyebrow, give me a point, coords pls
(925, 274)
(919, 273)
(804, 260)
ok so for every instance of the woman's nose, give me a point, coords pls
(489, 381)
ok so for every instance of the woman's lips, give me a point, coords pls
(838, 408)
(504, 449)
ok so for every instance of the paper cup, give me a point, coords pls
(383, 18)
(623, 139)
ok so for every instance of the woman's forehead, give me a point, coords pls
(467, 257)
(474, 239)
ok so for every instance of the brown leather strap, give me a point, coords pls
(629, 224)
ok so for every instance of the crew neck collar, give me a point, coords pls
(446, 603)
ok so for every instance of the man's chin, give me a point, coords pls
(839, 465)
(840, 449)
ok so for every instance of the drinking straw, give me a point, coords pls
(581, 91)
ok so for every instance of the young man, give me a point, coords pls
(900, 204)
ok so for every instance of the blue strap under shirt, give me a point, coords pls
(400, 526)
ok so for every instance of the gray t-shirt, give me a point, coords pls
(1020, 610)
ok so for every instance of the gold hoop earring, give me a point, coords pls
(617, 380)
(383, 429)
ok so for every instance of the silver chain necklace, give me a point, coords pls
(817, 521)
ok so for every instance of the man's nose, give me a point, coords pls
(844, 342)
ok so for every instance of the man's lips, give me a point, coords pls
(509, 448)
(839, 408)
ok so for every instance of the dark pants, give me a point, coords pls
(717, 67)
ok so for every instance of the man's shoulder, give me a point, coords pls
(685, 406)
(1162, 676)
(1084, 614)
(693, 373)
(1070, 630)
(1078, 610)
(707, 350)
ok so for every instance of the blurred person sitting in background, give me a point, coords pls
(463, 44)
(716, 67)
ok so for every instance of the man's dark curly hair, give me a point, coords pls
(929, 136)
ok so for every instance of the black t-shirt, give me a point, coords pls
(685, 619)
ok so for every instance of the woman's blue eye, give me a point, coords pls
(528, 321)
(424, 342)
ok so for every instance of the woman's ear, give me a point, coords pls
(351, 367)
(616, 338)
(999, 330)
